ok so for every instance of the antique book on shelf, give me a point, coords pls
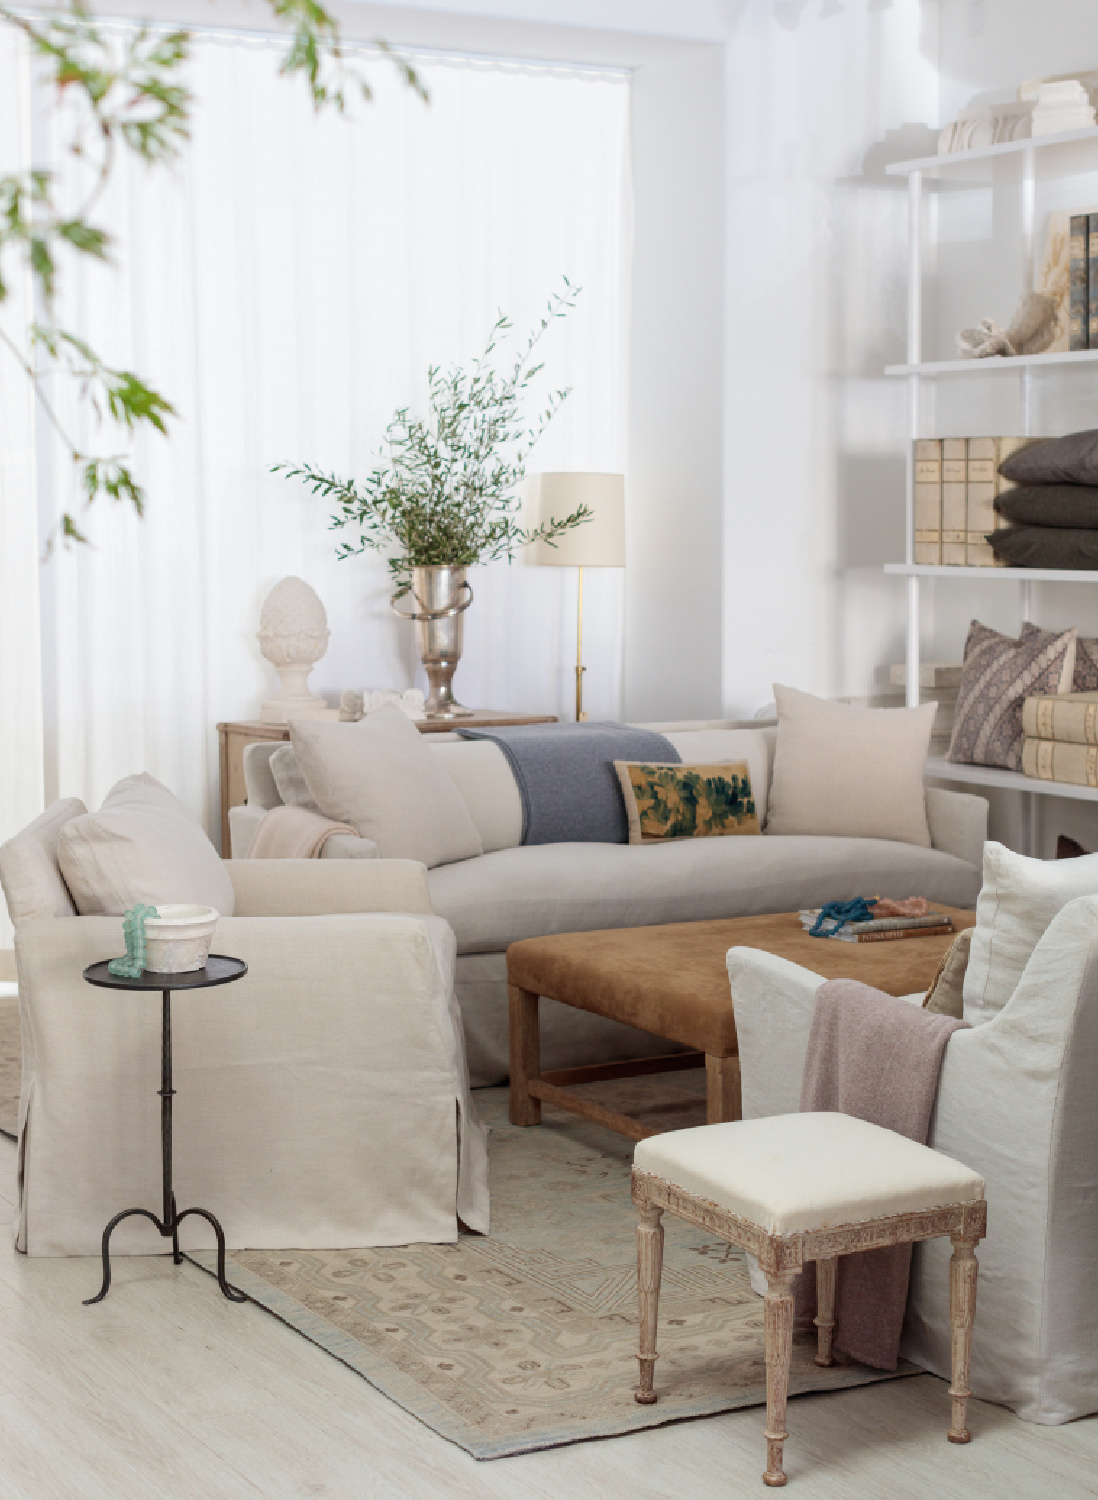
(927, 458)
(1070, 718)
(1056, 760)
(985, 483)
(954, 499)
(1079, 262)
(1092, 281)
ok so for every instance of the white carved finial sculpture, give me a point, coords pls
(293, 636)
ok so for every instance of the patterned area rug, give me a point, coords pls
(526, 1338)
(10, 1065)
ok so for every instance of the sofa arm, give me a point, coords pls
(318, 887)
(957, 823)
(349, 846)
(774, 1001)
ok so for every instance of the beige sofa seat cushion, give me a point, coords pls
(382, 778)
(545, 888)
(858, 772)
(142, 845)
(29, 872)
(798, 1172)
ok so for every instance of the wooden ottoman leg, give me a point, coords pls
(778, 1318)
(524, 1042)
(962, 1311)
(722, 1089)
(649, 1273)
(825, 1309)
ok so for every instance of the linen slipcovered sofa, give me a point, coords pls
(515, 891)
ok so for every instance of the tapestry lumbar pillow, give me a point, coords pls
(999, 674)
(849, 772)
(380, 776)
(1017, 902)
(141, 846)
(672, 801)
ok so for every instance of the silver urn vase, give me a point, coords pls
(440, 596)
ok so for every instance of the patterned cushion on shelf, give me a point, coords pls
(999, 674)
(1086, 666)
(670, 801)
(1068, 460)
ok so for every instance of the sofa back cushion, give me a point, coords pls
(293, 789)
(29, 872)
(1018, 900)
(849, 772)
(381, 777)
(479, 770)
(142, 845)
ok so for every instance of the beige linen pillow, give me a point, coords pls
(291, 784)
(849, 772)
(666, 800)
(1017, 902)
(29, 871)
(945, 997)
(142, 845)
(380, 776)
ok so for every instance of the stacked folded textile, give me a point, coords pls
(1053, 509)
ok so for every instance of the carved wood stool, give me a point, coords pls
(797, 1188)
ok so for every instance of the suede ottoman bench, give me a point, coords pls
(672, 981)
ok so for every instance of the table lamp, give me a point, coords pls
(597, 543)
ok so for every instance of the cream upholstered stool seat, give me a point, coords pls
(797, 1188)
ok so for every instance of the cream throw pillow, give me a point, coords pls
(1018, 900)
(29, 870)
(291, 784)
(380, 776)
(849, 772)
(142, 845)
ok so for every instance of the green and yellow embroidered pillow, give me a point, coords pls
(665, 801)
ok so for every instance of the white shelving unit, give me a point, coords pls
(1024, 368)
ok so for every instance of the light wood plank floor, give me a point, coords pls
(166, 1389)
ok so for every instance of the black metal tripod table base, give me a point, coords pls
(218, 970)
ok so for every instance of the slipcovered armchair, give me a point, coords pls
(322, 1101)
(1016, 1102)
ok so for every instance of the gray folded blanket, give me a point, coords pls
(566, 778)
(877, 1058)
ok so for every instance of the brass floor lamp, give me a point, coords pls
(598, 543)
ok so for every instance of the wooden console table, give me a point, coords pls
(233, 737)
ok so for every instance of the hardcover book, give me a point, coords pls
(1070, 718)
(1056, 760)
(985, 483)
(1079, 261)
(927, 459)
(1092, 281)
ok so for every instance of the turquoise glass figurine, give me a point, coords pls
(133, 925)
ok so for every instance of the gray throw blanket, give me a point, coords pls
(877, 1058)
(566, 778)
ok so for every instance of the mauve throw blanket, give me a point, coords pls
(877, 1058)
(566, 778)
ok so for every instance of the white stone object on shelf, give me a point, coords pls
(293, 636)
(932, 674)
(353, 705)
(986, 125)
(1032, 330)
(1063, 105)
(178, 938)
(985, 341)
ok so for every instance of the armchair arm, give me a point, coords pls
(317, 887)
(774, 1001)
(957, 823)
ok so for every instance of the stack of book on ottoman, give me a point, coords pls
(1061, 738)
(881, 929)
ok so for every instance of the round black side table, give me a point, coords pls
(218, 970)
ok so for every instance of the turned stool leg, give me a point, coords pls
(722, 1089)
(962, 1310)
(649, 1272)
(524, 1043)
(825, 1309)
(778, 1318)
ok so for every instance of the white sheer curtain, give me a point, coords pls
(286, 286)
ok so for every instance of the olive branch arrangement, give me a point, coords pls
(445, 491)
(130, 97)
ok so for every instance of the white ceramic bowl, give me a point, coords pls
(178, 939)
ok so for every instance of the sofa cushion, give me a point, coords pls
(849, 771)
(1018, 900)
(142, 845)
(381, 777)
(479, 770)
(546, 888)
(668, 800)
(707, 746)
(29, 872)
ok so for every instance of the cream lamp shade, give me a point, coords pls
(597, 543)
